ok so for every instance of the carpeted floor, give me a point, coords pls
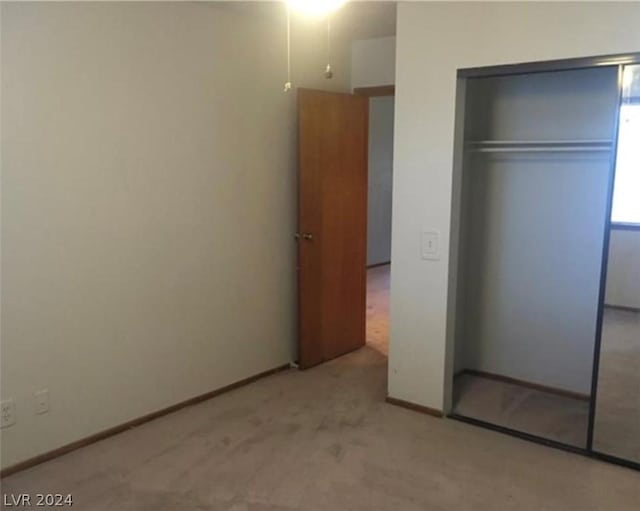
(543, 414)
(563, 419)
(378, 308)
(324, 439)
(617, 424)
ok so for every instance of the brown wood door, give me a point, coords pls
(332, 223)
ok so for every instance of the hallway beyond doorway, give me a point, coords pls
(378, 308)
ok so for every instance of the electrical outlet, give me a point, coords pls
(42, 401)
(7, 413)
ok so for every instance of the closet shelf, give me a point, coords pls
(504, 146)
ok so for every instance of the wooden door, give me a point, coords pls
(332, 224)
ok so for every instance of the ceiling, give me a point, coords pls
(358, 19)
(365, 20)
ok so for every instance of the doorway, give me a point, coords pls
(379, 206)
(343, 281)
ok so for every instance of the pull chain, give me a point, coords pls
(328, 73)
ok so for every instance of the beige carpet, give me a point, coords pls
(551, 416)
(617, 425)
(324, 439)
(378, 308)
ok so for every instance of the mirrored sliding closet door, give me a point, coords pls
(535, 191)
(617, 410)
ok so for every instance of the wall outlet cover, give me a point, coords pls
(7, 413)
(42, 401)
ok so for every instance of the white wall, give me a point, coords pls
(380, 179)
(433, 41)
(623, 269)
(373, 62)
(148, 206)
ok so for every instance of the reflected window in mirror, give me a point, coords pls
(626, 195)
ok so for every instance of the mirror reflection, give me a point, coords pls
(617, 419)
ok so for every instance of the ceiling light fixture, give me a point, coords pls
(315, 8)
(311, 8)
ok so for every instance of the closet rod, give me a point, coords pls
(494, 146)
(541, 142)
(547, 149)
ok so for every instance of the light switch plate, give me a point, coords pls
(430, 245)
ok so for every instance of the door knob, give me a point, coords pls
(307, 236)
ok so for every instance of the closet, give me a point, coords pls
(535, 188)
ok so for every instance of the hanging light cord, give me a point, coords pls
(328, 39)
(287, 85)
(328, 73)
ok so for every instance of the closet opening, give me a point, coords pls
(535, 253)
